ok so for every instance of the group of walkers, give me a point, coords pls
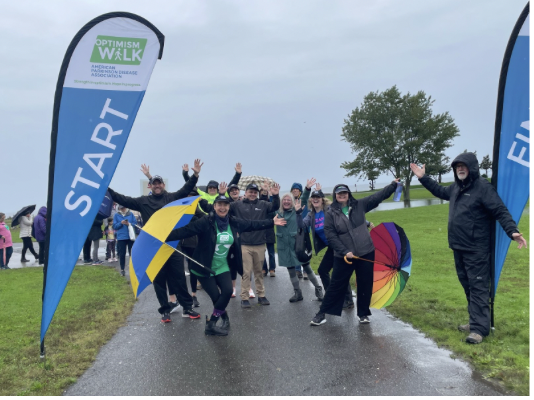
(229, 235)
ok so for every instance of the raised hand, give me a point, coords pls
(318, 186)
(265, 186)
(238, 168)
(185, 167)
(223, 187)
(279, 221)
(275, 189)
(518, 237)
(371, 225)
(197, 167)
(297, 205)
(145, 169)
(418, 171)
(310, 182)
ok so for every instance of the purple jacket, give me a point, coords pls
(39, 224)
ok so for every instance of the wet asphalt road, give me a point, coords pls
(272, 350)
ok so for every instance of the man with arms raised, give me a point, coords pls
(474, 205)
(172, 273)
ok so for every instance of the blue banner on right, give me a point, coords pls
(511, 157)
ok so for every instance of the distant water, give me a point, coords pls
(394, 205)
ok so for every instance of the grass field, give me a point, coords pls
(434, 302)
(95, 304)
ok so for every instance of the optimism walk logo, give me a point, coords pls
(118, 50)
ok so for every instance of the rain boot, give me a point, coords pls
(225, 321)
(297, 296)
(212, 328)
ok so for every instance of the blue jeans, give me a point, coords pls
(272, 260)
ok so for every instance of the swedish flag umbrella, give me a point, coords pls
(150, 252)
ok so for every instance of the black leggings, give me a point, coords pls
(333, 299)
(28, 245)
(211, 285)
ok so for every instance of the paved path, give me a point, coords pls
(272, 350)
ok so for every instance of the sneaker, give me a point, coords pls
(364, 320)
(474, 338)
(6, 267)
(233, 293)
(319, 319)
(166, 317)
(272, 274)
(174, 306)
(464, 328)
(97, 262)
(251, 294)
(195, 302)
(263, 301)
(245, 304)
(305, 275)
(122, 272)
(24, 260)
(299, 274)
(264, 272)
(115, 259)
(87, 262)
(190, 314)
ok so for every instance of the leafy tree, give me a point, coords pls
(486, 164)
(439, 167)
(372, 176)
(389, 131)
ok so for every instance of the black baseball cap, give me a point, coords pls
(233, 186)
(212, 184)
(156, 178)
(221, 198)
(342, 188)
(317, 193)
(253, 186)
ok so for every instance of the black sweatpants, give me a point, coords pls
(334, 296)
(473, 271)
(219, 288)
(172, 274)
(122, 245)
(326, 265)
(28, 245)
(87, 249)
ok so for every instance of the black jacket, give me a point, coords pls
(250, 210)
(148, 205)
(350, 234)
(474, 205)
(95, 233)
(205, 229)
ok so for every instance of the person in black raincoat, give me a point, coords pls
(218, 251)
(474, 205)
(346, 231)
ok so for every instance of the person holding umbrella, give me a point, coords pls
(216, 249)
(26, 222)
(346, 231)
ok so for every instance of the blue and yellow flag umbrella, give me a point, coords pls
(150, 252)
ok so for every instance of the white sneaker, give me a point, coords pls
(251, 294)
(175, 307)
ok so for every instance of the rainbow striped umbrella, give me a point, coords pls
(393, 263)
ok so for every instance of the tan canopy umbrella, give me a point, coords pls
(258, 180)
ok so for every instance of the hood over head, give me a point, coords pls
(334, 200)
(42, 211)
(469, 159)
(296, 185)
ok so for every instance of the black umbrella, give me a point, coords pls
(23, 211)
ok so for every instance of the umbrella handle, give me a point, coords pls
(347, 261)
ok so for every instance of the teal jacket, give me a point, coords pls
(285, 239)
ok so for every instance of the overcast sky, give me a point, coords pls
(265, 83)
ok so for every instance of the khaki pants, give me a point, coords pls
(253, 257)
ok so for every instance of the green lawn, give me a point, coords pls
(434, 302)
(15, 232)
(95, 304)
